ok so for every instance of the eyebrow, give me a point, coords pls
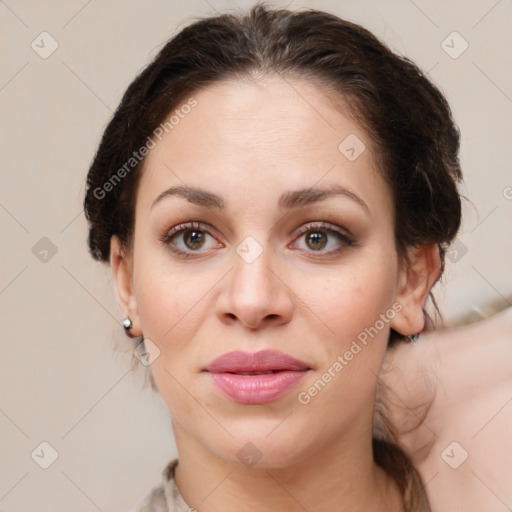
(287, 200)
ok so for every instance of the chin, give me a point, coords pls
(253, 447)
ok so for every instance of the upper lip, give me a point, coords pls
(262, 361)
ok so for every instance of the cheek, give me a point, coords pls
(171, 309)
(352, 298)
(355, 308)
(170, 302)
(171, 312)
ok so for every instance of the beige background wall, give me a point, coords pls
(61, 381)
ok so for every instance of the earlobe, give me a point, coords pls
(122, 271)
(417, 277)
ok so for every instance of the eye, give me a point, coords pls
(191, 239)
(324, 238)
(188, 238)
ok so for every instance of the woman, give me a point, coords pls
(275, 195)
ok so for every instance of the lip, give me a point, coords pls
(241, 375)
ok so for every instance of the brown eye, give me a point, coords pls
(190, 239)
(323, 238)
(193, 239)
(316, 240)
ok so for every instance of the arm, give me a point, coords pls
(450, 382)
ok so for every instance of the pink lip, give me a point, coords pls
(228, 373)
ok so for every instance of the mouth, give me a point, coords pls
(264, 361)
(254, 372)
(256, 378)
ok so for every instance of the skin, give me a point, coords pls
(466, 376)
(249, 142)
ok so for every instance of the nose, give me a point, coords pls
(255, 294)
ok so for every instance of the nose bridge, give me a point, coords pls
(254, 293)
(252, 278)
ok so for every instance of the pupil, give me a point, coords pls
(196, 238)
(318, 240)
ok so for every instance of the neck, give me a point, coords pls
(343, 477)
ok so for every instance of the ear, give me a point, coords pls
(417, 275)
(122, 268)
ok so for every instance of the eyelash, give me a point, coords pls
(324, 227)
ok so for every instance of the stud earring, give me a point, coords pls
(414, 338)
(127, 324)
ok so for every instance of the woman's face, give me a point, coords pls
(291, 250)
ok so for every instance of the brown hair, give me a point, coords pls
(404, 113)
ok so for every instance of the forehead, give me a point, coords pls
(272, 114)
(265, 134)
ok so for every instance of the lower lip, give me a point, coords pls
(256, 389)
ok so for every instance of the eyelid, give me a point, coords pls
(184, 226)
(326, 226)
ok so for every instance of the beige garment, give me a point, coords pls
(164, 497)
